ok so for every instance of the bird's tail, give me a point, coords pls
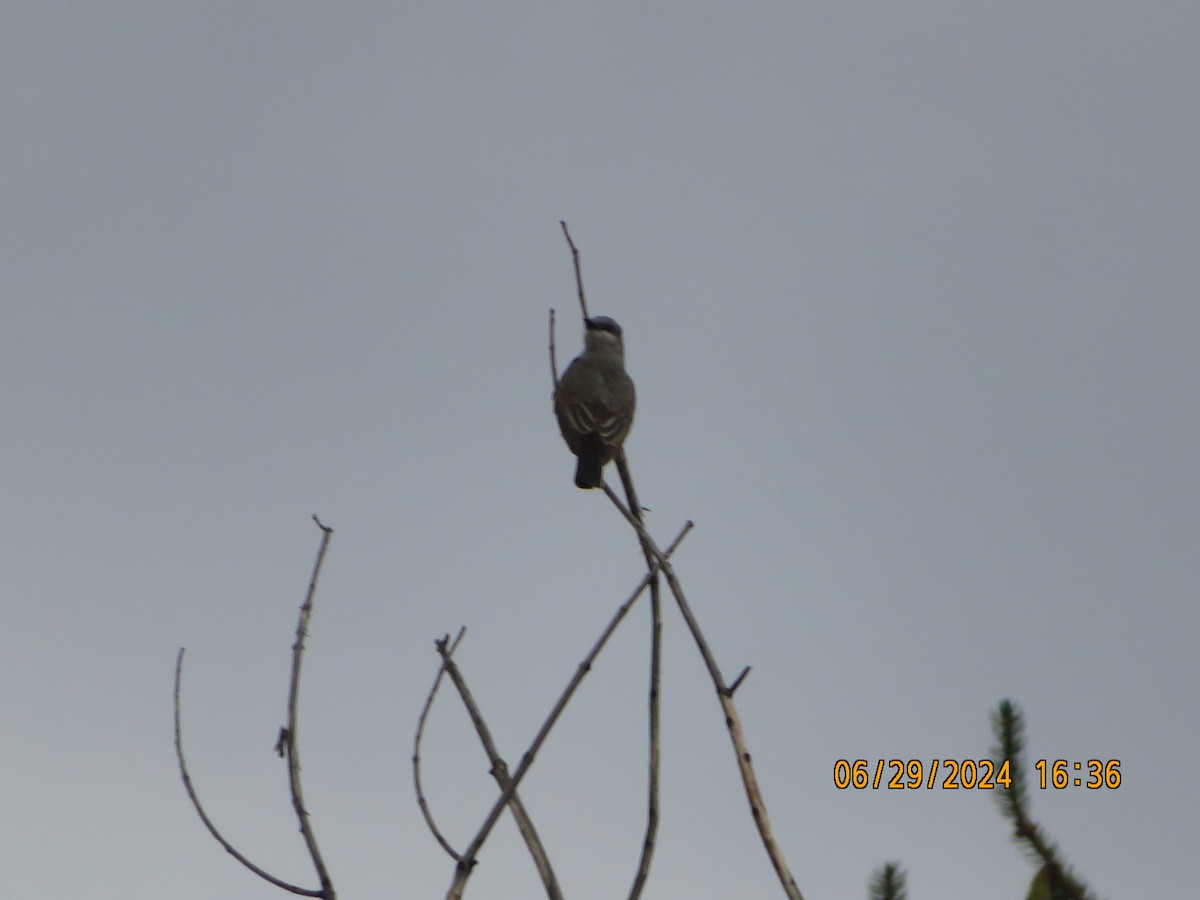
(591, 461)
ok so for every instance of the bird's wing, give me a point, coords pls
(601, 409)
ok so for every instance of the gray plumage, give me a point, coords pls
(595, 400)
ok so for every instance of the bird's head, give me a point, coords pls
(602, 335)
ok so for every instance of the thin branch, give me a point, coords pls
(733, 722)
(654, 753)
(191, 792)
(578, 271)
(553, 358)
(289, 739)
(416, 757)
(463, 870)
(737, 682)
(499, 771)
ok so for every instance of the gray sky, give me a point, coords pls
(910, 293)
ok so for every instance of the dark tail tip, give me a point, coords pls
(587, 473)
(587, 478)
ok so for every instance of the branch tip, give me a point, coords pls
(738, 681)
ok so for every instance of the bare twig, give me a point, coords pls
(654, 753)
(416, 757)
(733, 722)
(553, 358)
(499, 771)
(290, 744)
(737, 682)
(212, 829)
(463, 870)
(578, 272)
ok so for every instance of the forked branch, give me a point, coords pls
(499, 771)
(467, 859)
(285, 746)
(208, 823)
(733, 721)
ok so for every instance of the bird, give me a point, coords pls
(595, 400)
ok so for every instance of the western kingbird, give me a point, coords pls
(595, 400)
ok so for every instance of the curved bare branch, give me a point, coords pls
(212, 829)
(416, 757)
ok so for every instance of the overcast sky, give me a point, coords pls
(911, 294)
